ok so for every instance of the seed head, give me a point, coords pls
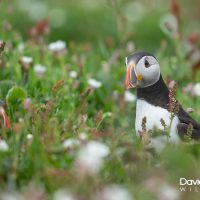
(144, 123)
(188, 135)
(163, 123)
(173, 105)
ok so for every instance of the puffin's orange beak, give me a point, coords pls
(131, 77)
(128, 80)
(6, 120)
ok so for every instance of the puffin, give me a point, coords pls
(143, 73)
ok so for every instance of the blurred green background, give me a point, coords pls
(98, 35)
(93, 21)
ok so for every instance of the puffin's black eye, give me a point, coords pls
(146, 63)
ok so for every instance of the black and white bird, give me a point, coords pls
(143, 72)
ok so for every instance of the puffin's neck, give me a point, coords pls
(157, 94)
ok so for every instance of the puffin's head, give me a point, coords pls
(142, 70)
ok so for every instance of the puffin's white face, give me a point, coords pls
(143, 70)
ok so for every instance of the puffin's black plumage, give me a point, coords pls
(158, 95)
(137, 56)
(185, 120)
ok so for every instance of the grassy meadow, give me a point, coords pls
(71, 134)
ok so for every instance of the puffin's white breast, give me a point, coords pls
(153, 115)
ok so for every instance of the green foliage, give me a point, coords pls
(54, 114)
(5, 86)
(15, 96)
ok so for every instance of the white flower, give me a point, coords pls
(29, 136)
(73, 74)
(190, 110)
(130, 47)
(57, 46)
(169, 25)
(21, 120)
(70, 143)
(62, 194)
(39, 70)
(94, 83)
(83, 136)
(27, 60)
(115, 192)
(196, 89)
(95, 149)
(129, 97)
(90, 158)
(158, 143)
(3, 145)
(167, 192)
(108, 114)
(20, 47)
